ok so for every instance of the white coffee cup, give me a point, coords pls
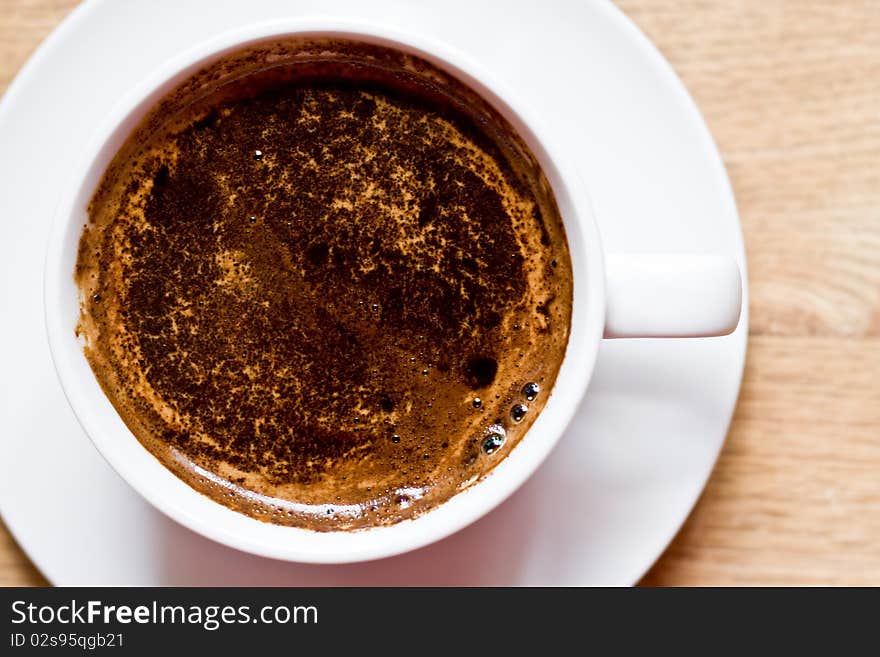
(657, 295)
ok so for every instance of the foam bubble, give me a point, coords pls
(518, 412)
(530, 391)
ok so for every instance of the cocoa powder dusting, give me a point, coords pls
(297, 283)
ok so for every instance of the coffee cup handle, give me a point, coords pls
(671, 295)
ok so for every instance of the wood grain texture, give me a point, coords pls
(791, 92)
(23, 25)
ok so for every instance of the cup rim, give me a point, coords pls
(164, 490)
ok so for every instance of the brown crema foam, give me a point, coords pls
(316, 279)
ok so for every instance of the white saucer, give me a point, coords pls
(633, 463)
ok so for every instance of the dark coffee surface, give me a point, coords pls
(317, 293)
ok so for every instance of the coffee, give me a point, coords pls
(325, 284)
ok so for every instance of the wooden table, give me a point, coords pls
(791, 91)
